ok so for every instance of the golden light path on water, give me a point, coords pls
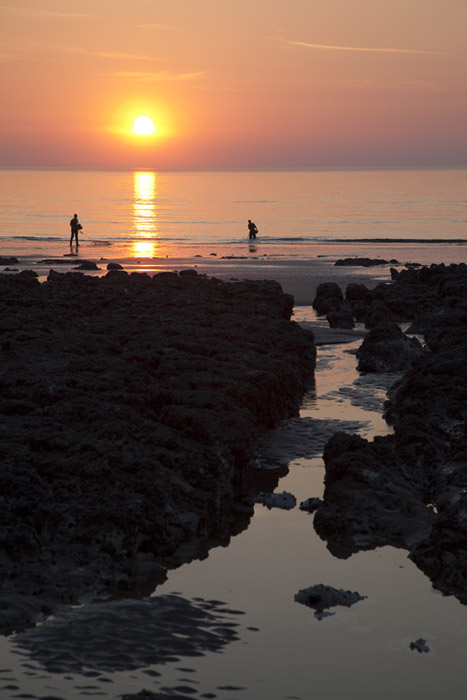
(145, 214)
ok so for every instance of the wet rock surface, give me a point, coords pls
(130, 406)
(364, 262)
(387, 349)
(409, 489)
(284, 500)
(321, 598)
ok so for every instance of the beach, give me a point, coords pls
(233, 386)
(81, 352)
(298, 275)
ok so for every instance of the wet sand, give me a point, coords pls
(298, 271)
(297, 277)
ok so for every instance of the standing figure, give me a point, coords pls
(75, 227)
(252, 230)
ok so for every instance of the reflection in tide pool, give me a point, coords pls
(145, 214)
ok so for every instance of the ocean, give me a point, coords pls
(298, 213)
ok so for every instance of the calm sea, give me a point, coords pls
(151, 213)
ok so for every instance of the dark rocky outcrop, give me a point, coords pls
(408, 296)
(321, 598)
(87, 265)
(364, 262)
(328, 297)
(387, 349)
(341, 317)
(130, 405)
(409, 489)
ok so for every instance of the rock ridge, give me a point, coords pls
(130, 405)
(409, 489)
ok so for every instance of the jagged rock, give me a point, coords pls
(28, 274)
(283, 500)
(364, 262)
(129, 407)
(359, 297)
(328, 297)
(321, 598)
(377, 312)
(358, 292)
(420, 645)
(409, 489)
(371, 497)
(87, 265)
(311, 504)
(387, 349)
(341, 317)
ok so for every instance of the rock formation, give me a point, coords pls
(130, 405)
(409, 489)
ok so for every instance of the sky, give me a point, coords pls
(244, 84)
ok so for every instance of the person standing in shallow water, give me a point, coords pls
(75, 227)
(252, 230)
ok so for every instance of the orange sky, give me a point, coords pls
(250, 83)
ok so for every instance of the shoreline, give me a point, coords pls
(299, 277)
(299, 270)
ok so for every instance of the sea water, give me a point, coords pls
(297, 212)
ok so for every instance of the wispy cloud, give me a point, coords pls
(44, 13)
(165, 27)
(111, 55)
(386, 86)
(360, 49)
(27, 49)
(159, 76)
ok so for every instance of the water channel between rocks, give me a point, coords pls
(228, 626)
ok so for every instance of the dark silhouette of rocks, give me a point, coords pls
(130, 405)
(420, 645)
(87, 265)
(310, 505)
(341, 317)
(364, 262)
(328, 297)
(409, 489)
(387, 349)
(321, 598)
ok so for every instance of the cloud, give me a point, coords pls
(158, 26)
(159, 76)
(364, 49)
(112, 55)
(20, 51)
(45, 13)
(387, 86)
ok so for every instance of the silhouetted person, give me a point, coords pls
(75, 227)
(252, 230)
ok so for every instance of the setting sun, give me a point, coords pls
(144, 126)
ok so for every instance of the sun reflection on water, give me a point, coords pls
(145, 214)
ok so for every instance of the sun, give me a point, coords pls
(143, 126)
